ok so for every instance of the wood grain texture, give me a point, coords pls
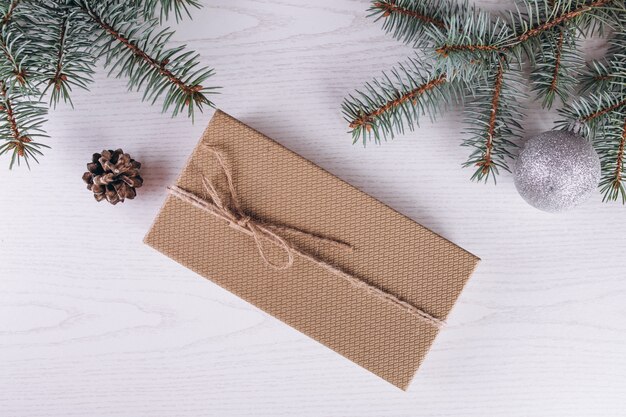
(94, 323)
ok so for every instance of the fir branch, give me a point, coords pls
(58, 77)
(12, 61)
(407, 20)
(366, 119)
(390, 104)
(446, 50)
(602, 111)
(20, 126)
(8, 14)
(164, 8)
(389, 7)
(492, 117)
(599, 76)
(7, 108)
(565, 13)
(486, 162)
(558, 54)
(538, 20)
(610, 72)
(62, 40)
(472, 34)
(63, 47)
(557, 67)
(612, 151)
(555, 21)
(471, 46)
(602, 116)
(140, 53)
(589, 115)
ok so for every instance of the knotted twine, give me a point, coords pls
(231, 212)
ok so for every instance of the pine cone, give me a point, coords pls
(113, 175)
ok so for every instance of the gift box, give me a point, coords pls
(311, 250)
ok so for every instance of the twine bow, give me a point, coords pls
(265, 233)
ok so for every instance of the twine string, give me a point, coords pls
(265, 233)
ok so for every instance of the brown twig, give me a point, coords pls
(604, 111)
(446, 49)
(602, 77)
(557, 61)
(189, 90)
(7, 107)
(58, 77)
(390, 7)
(487, 159)
(620, 158)
(366, 119)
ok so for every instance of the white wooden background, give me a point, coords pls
(94, 323)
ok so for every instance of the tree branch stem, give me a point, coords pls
(561, 19)
(620, 158)
(491, 129)
(366, 119)
(390, 7)
(603, 111)
(58, 76)
(7, 107)
(557, 62)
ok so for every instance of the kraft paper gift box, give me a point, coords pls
(403, 268)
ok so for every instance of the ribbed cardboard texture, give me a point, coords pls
(391, 252)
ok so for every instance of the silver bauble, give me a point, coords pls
(556, 170)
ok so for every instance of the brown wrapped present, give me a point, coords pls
(311, 250)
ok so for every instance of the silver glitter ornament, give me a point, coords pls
(556, 171)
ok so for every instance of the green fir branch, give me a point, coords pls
(165, 8)
(598, 76)
(137, 49)
(611, 148)
(601, 116)
(407, 20)
(472, 44)
(492, 118)
(63, 48)
(533, 19)
(588, 115)
(608, 73)
(396, 102)
(21, 121)
(15, 64)
(557, 68)
(7, 10)
(474, 33)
